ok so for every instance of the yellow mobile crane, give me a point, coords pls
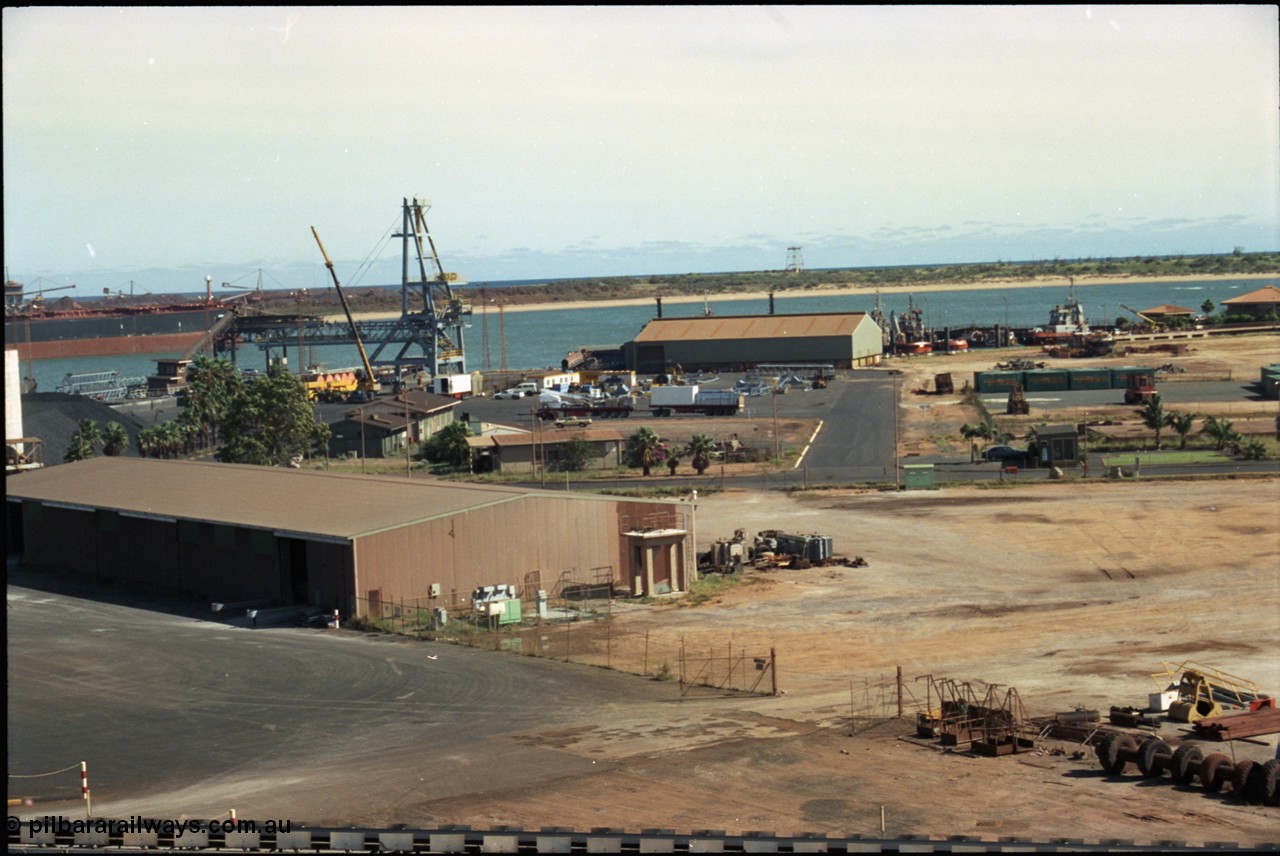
(1151, 323)
(370, 383)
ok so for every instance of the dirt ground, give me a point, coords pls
(931, 423)
(1073, 593)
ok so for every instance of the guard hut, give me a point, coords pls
(1059, 445)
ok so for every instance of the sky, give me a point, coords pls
(147, 148)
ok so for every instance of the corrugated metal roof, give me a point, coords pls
(751, 327)
(1168, 309)
(299, 501)
(556, 436)
(1267, 294)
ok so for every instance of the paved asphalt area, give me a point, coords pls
(180, 716)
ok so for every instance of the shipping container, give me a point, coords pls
(996, 381)
(1046, 380)
(667, 396)
(1080, 379)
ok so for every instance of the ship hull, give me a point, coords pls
(106, 335)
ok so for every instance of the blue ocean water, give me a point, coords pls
(540, 339)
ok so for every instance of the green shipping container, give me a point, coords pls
(1089, 378)
(1123, 378)
(996, 381)
(1046, 380)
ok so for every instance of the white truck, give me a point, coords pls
(666, 400)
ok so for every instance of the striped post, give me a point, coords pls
(84, 789)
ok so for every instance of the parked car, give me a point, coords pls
(1005, 454)
(580, 421)
(509, 393)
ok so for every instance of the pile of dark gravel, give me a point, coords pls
(54, 416)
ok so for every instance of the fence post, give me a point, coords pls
(899, 692)
(773, 669)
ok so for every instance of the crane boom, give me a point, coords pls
(371, 382)
(1145, 318)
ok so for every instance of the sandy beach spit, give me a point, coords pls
(839, 290)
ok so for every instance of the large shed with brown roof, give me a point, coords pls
(1265, 302)
(232, 533)
(843, 339)
(525, 451)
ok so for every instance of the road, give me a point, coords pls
(177, 715)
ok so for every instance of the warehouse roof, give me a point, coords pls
(553, 437)
(305, 502)
(1168, 309)
(752, 327)
(1267, 295)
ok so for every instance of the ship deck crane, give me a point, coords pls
(370, 383)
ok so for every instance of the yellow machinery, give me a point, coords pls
(370, 383)
(1204, 690)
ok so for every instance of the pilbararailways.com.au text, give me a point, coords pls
(59, 825)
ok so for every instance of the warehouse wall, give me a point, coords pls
(862, 348)
(499, 545)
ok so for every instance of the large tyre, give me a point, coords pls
(1151, 757)
(1270, 790)
(1106, 750)
(1186, 760)
(1240, 776)
(1209, 771)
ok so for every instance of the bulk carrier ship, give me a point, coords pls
(41, 329)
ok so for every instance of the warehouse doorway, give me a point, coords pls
(293, 571)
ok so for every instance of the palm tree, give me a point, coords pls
(644, 449)
(115, 439)
(1154, 416)
(171, 437)
(449, 444)
(701, 447)
(146, 442)
(86, 436)
(211, 387)
(1221, 431)
(1182, 423)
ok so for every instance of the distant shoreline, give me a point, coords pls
(836, 291)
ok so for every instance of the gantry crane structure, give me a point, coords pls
(432, 317)
(428, 335)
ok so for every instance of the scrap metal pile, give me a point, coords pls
(1253, 781)
(772, 549)
(1219, 707)
(991, 725)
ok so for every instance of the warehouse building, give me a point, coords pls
(737, 342)
(527, 452)
(382, 428)
(230, 533)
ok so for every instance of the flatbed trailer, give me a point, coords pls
(623, 412)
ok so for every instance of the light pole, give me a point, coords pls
(897, 483)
